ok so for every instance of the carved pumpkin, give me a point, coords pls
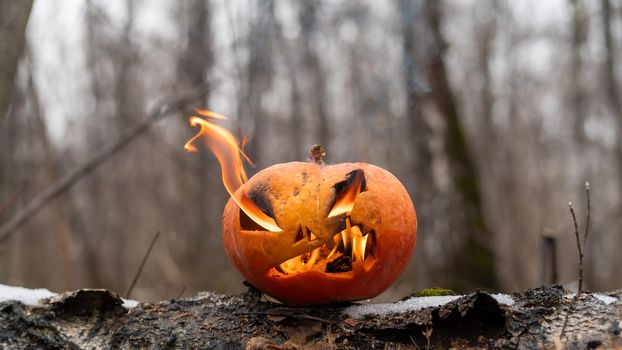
(311, 233)
(348, 231)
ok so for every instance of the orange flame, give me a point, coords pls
(229, 154)
(350, 242)
(345, 201)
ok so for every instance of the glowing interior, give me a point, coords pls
(350, 247)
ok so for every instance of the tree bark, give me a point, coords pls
(537, 318)
(13, 19)
(307, 18)
(612, 92)
(260, 71)
(579, 28)
(475, 261)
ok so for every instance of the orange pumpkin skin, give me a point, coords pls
(301, 194)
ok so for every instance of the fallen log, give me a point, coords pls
(100, 319)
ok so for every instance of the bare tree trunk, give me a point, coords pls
(60, 241)
(307, 17)
(474, 261)
(296, 116)
(577, 95)
(422, 158)
(612, 89)
(13, 19)
(486, 36)
(419, 130)
(201, 182)
(259, 74)
(127, 98)
(611, 81)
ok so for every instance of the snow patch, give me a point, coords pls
(24, 295)
(503, 299)
(605, 298)
(412, 304)
(129, 303)
(602, 297)
(29, 296)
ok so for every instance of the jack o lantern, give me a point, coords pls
(309, 233)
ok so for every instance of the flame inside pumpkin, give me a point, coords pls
(350, 246)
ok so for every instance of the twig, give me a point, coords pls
(587, 220)
(142, 264)
(581, 243)
(307, 316)
(579, 248)
(66, 182)
(299, 315)
(180, 293)
(427, 333)
(413, 341)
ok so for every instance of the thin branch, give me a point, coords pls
(576, 233)
(413, 341)
(587, 221)
(142, 264)
(576, 227)
(183, 289)
(166, 108)
(581, 248)
(298, 315)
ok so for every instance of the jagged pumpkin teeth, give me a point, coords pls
(332, 252)
(311, 233)
(314, 256)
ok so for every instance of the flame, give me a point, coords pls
(350, 242)
(210, 114)
(345, 200)
(359, 243)
(229, 154)
(352, 235)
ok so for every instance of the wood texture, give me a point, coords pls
(97, 319)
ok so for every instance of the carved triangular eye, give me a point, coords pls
(257, 206)
(345, 192)
(258, 195)
(247, 224)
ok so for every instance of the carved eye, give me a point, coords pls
(259, 196)
(258, 202)
(346, 192)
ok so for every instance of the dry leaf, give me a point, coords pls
(276, 318)
(351, 322)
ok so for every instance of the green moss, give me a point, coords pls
(433, 292)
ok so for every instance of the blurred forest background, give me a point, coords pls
(492, 113)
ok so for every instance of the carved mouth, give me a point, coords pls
(354, 246)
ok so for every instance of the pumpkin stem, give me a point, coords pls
(316, 154)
